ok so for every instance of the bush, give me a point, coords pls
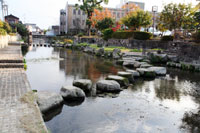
(80, 34)
(197, 36)
(105, 23)
(123, 34)
(140, 35)
(107, 34)
(167, 38)
(68, 41)
(2, 31)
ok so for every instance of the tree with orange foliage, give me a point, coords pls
(99, 16)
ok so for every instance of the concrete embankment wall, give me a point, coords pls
(5, 40)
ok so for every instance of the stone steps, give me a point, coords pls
(11, 61)
(11, 65)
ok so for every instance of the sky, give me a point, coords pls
(45, 13)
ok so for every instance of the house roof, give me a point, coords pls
(11, 16)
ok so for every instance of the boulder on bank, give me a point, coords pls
(88, 49)
(134, 73)
(48, 101)
(145, 65)
(100, 52)
(116, 53)
(121, 80)
(159, 70)
(84, 84)
(108, 86)
(127, 75)
(72, 93)
(146, 73)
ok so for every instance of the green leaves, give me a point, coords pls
(105, 23)
(177, 16)
(137, 19)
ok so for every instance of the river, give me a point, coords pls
(153, 106)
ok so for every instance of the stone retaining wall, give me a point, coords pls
(185, 50)
(4, 40)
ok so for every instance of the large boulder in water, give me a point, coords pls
(134, 73)
(72, 93)
(159, 70)
(84, 84)
(108, 86)
(121, 80)
(48, 101)
(146, 73)
(158, 58)
(127, 75)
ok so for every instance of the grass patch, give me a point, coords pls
(136, 50)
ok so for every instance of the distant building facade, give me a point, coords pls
(73, 20)
(56, 29)
(33, 28)
(11, 19)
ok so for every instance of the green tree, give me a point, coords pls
(161, 28)
(105, 23)
(176, 16)
(7, 27)
(88, 7)
(137, 19)
(197, 20)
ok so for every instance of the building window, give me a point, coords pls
(74, 22)
(83, 13)
(74, 11)
(114, 14)
(79, 12)
(118, 15)
(122, 14)
(83, 22)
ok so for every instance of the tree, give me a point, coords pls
(197, 20)
(161, 28)
(105, 23)
(98, 15)
(88, 7)
(137, 19)
(21, 29)
(176, 16)
(7, 27)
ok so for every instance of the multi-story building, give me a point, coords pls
(73, 20)
(56, 29)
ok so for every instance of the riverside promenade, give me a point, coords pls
(19, 112)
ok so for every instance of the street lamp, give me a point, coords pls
(154, 10)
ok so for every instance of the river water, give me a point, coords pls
(154, 106)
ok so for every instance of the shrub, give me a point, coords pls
(197, 36)
(167, 38)
(107, 34)
(80, 34)
(68, 41)
(2, 31)
(123, 34)
(141, 35)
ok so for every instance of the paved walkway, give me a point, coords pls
(19, 112)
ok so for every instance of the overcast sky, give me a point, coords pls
(45, 13)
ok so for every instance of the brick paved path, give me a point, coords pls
(19, 112)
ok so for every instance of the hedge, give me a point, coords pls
(123, 34)
(167, 38)
(141, 35)
(107, 34)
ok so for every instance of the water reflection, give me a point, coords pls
(147, 106)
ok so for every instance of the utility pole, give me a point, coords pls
(4, 9)
(154, 10)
